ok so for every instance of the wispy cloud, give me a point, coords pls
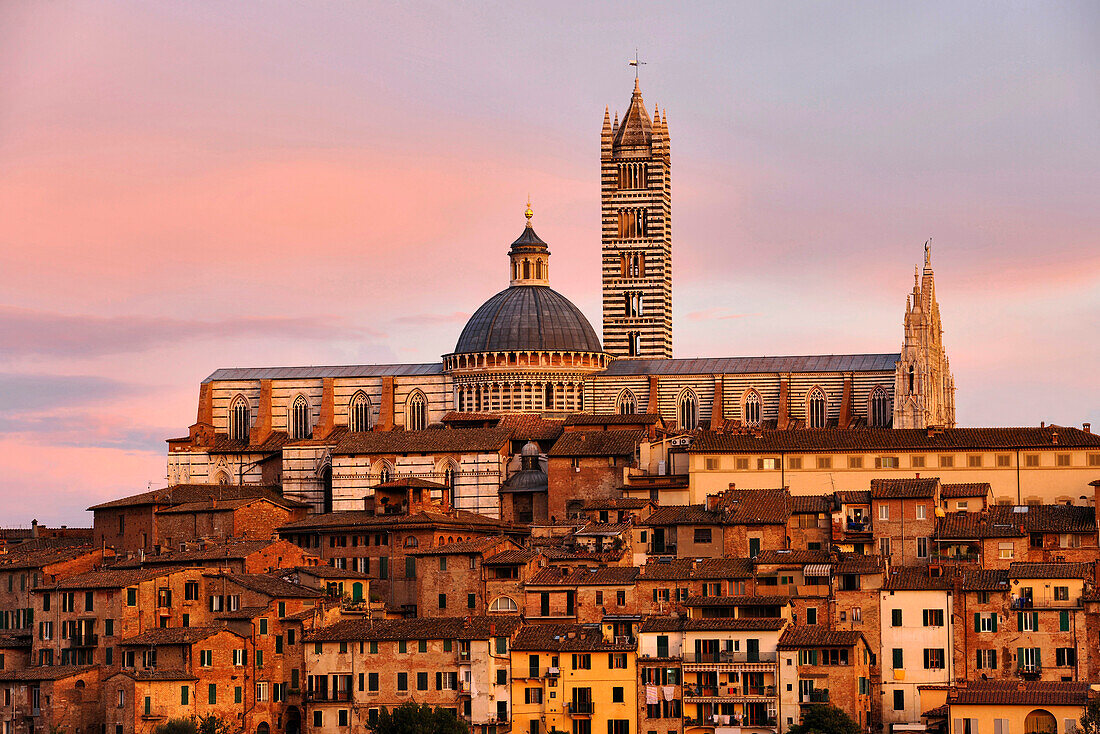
(717, 313)
(425, 319)
(28, 332)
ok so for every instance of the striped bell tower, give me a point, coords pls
(636, 203)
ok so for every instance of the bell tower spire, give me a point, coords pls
(636, 216)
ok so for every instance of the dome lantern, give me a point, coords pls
(529, 256)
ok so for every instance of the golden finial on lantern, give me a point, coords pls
(528, 213)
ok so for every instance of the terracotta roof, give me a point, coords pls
(802, 504)
(612, 419)
(671, 569)
(107, 579)
(9, 640)
(854, 497)
(243, 613)
(509, 558)
(603, 529)
(173, 636)
(16, 558)
(215, 505)
(1047, 518)
(682, 624)
(597, 443)
(181, 493)
(737, 601)
(564, 576)
(325, 572)
(272, 586)
(565, 638)
(1050, 570)
(235, 549)
(723, 568)
(682, 515)
(903, 488)
(973, 526)
(964, 490)
(1022, 693)
(447, 440)
(456, 416)
(354, 519)
(420, 628)
(810, 440)
(44, 672)
(618, 503)
(983, 579)
(531, 427)
(471, 547)
(791, 557)
(917, 578)
(857, 563)
(410, 483)
(815, 636)
(758, 506)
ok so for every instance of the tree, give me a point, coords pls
(178, 726)
(823, 719)
(411, 718)
(1089, 723)
(213, 724)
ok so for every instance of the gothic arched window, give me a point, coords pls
(816, 408)
(416, 412)
(300, 418)
(450, 471)
(880, 408)
(627, 403)
(359, 412)
(752, 408)
(549, 404)
(538, 269)
(384, 473)
(912, 374)
(634, 343)
(526, 268)
(688, 410)
(240, 419)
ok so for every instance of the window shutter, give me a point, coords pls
(978, 661)
(977, 622)
(439, 681)
(1020, 621)
(993, 618)
(959, 728)
(926, 657)
(1063, 621)
(973, 726)
(1035, 621)
(993, 662)
(1019, 657)
(924, 615)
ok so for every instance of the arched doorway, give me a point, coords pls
(1041, 721)
(326, 484)
(293, 720)
(263, 728)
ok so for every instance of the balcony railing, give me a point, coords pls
(696, 691)
(818, 695)
(857, 526)
(662, 550)
(1024, 602)
(322, 696)
(968, 556)
(729, 720)
(579, 708)
(724, 656)
(1029, 670)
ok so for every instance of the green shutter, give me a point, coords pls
(993, 618)
(1019, 657)
(1020, 621)
(1063, 621)
(1035, 621)
(977, 622)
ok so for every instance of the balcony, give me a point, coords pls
(463, 656)
(328, 696)
(1024, 602)
(727, 657)
(955, 555)
(1029, 671)
(818, 695)
(857, 527)
(579, 708)
(536, 673)
(717, 720)
(727, 692)
(661, 550)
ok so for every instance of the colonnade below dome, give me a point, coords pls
(520, 396)
(533, 358)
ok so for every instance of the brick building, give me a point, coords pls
(358, 666)
(904, 517)
(831, 667)
(40, 700)
(588, 465)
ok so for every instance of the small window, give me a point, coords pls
(767, 464)
(1062, 460)
(712, 463)
(974, 461)
(916, 461)
(886, 462)
(947, 461)
(1031, 460)
(824, 462)
(702, 535)
(1004, 460)
(855, 462)
(300, 417)
(742, 464)
(884, 512)
(795, 462)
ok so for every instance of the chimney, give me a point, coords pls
(34, 528)
(1054, 437)
(1086, 427)
(492, 629)
(1042, 424)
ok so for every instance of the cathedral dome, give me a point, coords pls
(528, 318)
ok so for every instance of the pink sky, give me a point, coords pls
(187, 186)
